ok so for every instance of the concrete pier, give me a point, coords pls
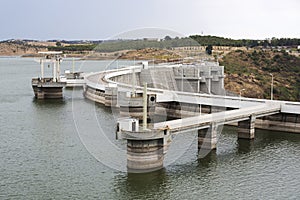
(207, 138)
(145, 155)
(145, 148)
(246, 128)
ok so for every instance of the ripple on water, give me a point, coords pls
(42, 156)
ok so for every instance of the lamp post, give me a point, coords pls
(181, 78)
(272, 85)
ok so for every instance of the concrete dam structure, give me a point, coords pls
(173, 99)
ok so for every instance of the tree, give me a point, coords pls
(168, 38)
(209, 49)
(58, 44)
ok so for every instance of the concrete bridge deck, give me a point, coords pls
(219, 118)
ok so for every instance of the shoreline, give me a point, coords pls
(78, 58)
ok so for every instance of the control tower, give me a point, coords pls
(49, 87)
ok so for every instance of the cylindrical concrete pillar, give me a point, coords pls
(145, 155)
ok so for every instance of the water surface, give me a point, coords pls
(43, 157)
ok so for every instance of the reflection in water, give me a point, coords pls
(245, 146)
(145, 182)
(231, 166)
(210, 158)
(44, 103)
(151, 185)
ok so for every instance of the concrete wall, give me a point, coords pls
(127, 79)
(162, 78)
(207, 77)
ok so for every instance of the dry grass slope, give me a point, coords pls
(250, 70)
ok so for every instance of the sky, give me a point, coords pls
(111, 19)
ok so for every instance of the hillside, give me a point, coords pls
(19, 48)
(158, 55)
(221, 41)
(250, 70)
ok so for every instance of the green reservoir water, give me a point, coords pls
(45, 151)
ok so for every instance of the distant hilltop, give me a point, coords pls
(248, 63)
(25, 47)
(20, 47)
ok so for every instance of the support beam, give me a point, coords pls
(54, 72)
(246, 129)
(207, 138)
(58, 70)
(42, 68)
(133, 83)
(145, 107)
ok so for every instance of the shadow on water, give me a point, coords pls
(233, 147)
(158, 184)
(49, 102)
(141, 185)
(263, 139)
(245, 146)
(145, 181)
(208, 160)
(276, 136)
(266, 139)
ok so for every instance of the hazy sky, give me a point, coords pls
(98, 19)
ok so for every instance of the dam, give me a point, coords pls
(175, 98)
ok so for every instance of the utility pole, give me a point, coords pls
(272, 86)
(241, 92)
